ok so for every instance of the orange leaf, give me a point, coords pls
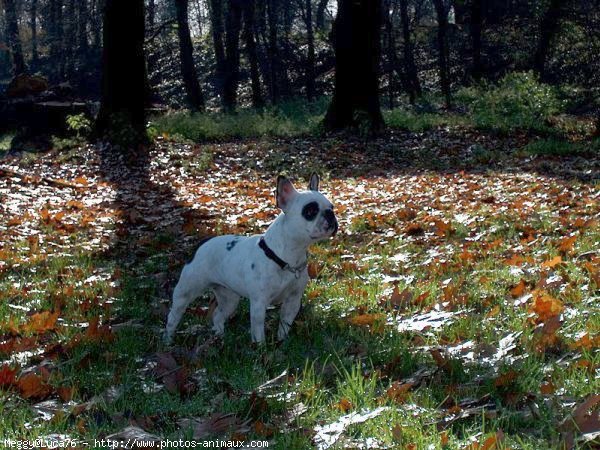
(566, 244)
(552, 263)
(506, 378)
(344, 405)
(366, 319)
(519, 289)
(401, 299)
(314, 269)
(81, 180)
(545, 306)
(41, 322)
(65, 393)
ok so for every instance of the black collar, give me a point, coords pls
(280, 262)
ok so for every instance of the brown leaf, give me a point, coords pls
(566, 244)
(41, 322)
(398, 392)
(7, 376)
(33, 386)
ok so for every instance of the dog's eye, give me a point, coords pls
(310, 210)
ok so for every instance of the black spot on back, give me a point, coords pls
(231, 244)
(252, 266)
(202, 242)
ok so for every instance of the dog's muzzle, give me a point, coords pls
(331, 221)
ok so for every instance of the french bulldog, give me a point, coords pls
(267, 269)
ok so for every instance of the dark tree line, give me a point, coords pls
(228, 53)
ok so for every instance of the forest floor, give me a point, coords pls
(458, 307)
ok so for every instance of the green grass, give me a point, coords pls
(288, 119)
(561, 147)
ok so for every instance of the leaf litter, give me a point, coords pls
(444, 216)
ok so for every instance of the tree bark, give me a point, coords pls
(273, 50)
(33, 27)
(320, 16)
(250, 43)
(70, 39)
(410, 68)
(548, 29)
(390, 50)
(82, 28)
(310, 57)
(232, 48)
(122, 118)
(216, 19)
(195, 98)
(441, 10)
(12, 35)
(476, 26)
(356, 38)
(151, 13)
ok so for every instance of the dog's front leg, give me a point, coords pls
(289, 310)
(258, 312)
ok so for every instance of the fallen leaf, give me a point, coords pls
(552, 263)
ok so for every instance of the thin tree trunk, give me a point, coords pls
(12, 35)
(232, 50)
(216, 18)
(310, 60)
(390, 50)
(189, 74)
(442, 16)
(320, 16)
(250, 44)
(70, 39)
(122, 115)
(151, 13)
(33, 27)
(356, 37)
(476, 26)
(274, 54)
(82, 29)
(548, 29)
(412, 78)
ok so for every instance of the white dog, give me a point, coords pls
(266, 269)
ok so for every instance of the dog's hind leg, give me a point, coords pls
(227, 302)
(185, 292)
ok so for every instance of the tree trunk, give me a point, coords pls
(320, 17)
(410, 68)
(151, 13)
(70, 39)
(548, 29)
(356, 38)
(273, 50)
(476, 26)
(441, 10)
(390, 49)
(82, 29)
(195, 99)
(12, 35)
(232, 50)
(310, 59)
(216, 19)
(250, 43)
(121, 118)
(33, 27)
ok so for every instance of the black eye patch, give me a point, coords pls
(310, 210)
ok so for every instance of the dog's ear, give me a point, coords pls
(284, 193)
(313, 183)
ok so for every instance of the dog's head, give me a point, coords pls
(309, 213)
